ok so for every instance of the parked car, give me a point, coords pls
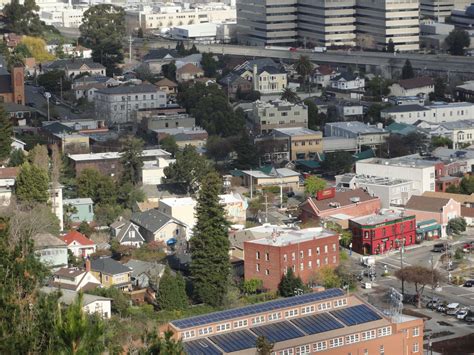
(441, 307)
(462, 313)
(469, 283)
(452, 309)
(440, 247)
(469, 317)
(433, 304)
(467, 248)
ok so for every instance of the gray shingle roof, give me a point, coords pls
(139, 267)
(151, 220)
(124, 236)
(160, 53)
(74, 64)
(129, 89)
(405, 108)
(109, 266)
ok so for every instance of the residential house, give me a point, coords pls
(195, 136)
(12, 85)
(439, 209)
(117, 226)
(129, 234)
(145, 274)
(75, 279)
(322, 75)
(156, 58)
(188, 72)
(304, 143)
(20, 115)
(156, 226)
(181, 208)
(466, 201)
(170, 88)
(287, 178)
(347, 81)
(266, 116)
(465, 92)
(235, 207)
(75, 67)
(111, 273)
(18, 144)
(365, 134)
(339, 206)
(461, 132)
(153, 172)
(7, 184)
(117, 104)
(79, 52)
(267, 80)
(79, 245)
(420, 86)
(87, 86)
(304, 251)
(81, 209)
(91, 304)
(234, 83)
(167, 121)
(194, 59)
(51, 250)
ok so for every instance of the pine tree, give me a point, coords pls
(6, 132)
(131, 160)
(17, 157)
(210, 266)
(407, 70)
(247, 156)
(172, 293)
(289, 284)
(32, 184)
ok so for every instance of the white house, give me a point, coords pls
(153, 171)
(129, 234)
(348, 81)
(79, 244)
(75, 279)
(7, 184)
(323, 74)
(421, 86)
(18, 144)
(182, 209)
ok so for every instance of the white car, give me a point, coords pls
(462, 313)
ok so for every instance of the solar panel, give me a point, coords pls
(356, 315)
(318, 323)
(235, 341)
(200, 347)
(257, 308)
(280, 331)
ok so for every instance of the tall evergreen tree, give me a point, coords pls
(172, 293)
(17, 157)
(131, 160)
(32, 184)
(289, 284)
(6, 132)
(247, 156)
(407, 70)
(210, 266)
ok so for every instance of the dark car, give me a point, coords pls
(432, 304)
(440, 247)
(469, 317)
(469, 283)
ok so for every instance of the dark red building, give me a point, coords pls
(379, 233)
(304, 250)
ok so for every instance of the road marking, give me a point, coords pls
(465, 294)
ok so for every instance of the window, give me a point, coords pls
(267, 272)
(301, 254)
(307, 309)
(309, 252)
(416, 347)
(301, 266)
(189, 334)
(340, 303)
(318, 251)
(310, 264)
(286, 352)
(366, 351)
(274, 316)
(334, 247)
(258, 320)
(324, 306)
(353, 338)
(382, 332)
(326, 249)
(240, 323)
(336, 342)
(334, 259)
(285, 258)
(321, 346)
(370, 334)
(267, 256)
(257, 255)
(293, 256)
(326, 261)
(318, 263)
(223, 327)
(416, 331)
(205, 331)
(382, 350)
(304, 349)
(257, 267)
(291, 313)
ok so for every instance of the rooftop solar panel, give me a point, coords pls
(280, 331)
(257, 308)
(356, 315)
(235, 341)
(318, 323)
(201, 347)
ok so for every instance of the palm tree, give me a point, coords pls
(304, 67)
(290, 96)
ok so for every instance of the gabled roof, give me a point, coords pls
(262, 62)
(74, 64)
(345, 76)
(461, 198)
(160, 53)
(166, 82)
(324, 70)
(427, 204)
(152, 220)
(189, 68)
(75, 236)
(109, 266)
(124, 236)
(269, 70)
(342, 199)
(57, 127)
(415, 83)
(145, 267)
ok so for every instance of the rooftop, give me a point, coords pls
(181, 201)
(357, 127)
(383, 216)
(274, 173)
(129, 89)
(414, 83)
(407, 161)
(461, 198)
(9, 173)
(116, 155)
(461, 124)
(45, 240)
(425, 203)
(405, 108)
(78, 201)
(285, 238)
(109, 266)
(297, 131)
(75, 236)
(69, 297)
(375, 180)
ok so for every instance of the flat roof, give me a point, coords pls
(377, 180)
(297, 131)
(384, 216)
(178, 201)
(78, 201)
(284, 238)
(116, 155)
(283, 172)
(406, 161)
(357, 127)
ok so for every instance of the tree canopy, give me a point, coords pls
(32, 184)
(210, 265)
(6, 133)
(131, 160)
(407, 70)
(338, 162)
(313, 184)
(290, 95)
(419, 276)
(457, 41)
(289, 284)
(209, 65)
(22, 18)
(172, 292)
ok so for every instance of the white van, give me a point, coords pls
(452, 309)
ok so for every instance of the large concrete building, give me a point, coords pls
(441, 9)
(368, 23)
(366, 135)
(266, 116)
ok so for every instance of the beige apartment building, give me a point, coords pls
(304, 143)
(378, 22)
(267, 116)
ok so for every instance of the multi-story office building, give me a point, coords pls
(277, 114)
(436, 9)
(117, 104)
(304, 143)
(327, 22)
(378, 22)
(267, 22)
(365, 134)
(330, 322)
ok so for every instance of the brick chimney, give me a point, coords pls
(88, 264)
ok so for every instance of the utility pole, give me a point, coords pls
(266, 208)
(432, 278)
(130, 41)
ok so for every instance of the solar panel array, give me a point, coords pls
(278, 331)
(356, 315)
(257, 308)
(201, 347)
(318, 323)
(235, 341)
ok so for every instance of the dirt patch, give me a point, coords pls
(446, 324)
(459, 346)
(413, 313)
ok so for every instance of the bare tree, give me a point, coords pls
(39, 157)
(419, 276)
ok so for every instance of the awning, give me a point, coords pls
(171, 241)
(428, 229)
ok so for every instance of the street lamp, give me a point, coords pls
(432, 278)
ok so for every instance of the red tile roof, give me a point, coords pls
(342, 199)
(78, 237)
(189, 68)
(414, 83)
(9, 173)
(324, 70)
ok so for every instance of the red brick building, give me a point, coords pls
(305, 251)
(378, 233)
(12, 85)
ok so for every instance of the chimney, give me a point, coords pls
(88, 264)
